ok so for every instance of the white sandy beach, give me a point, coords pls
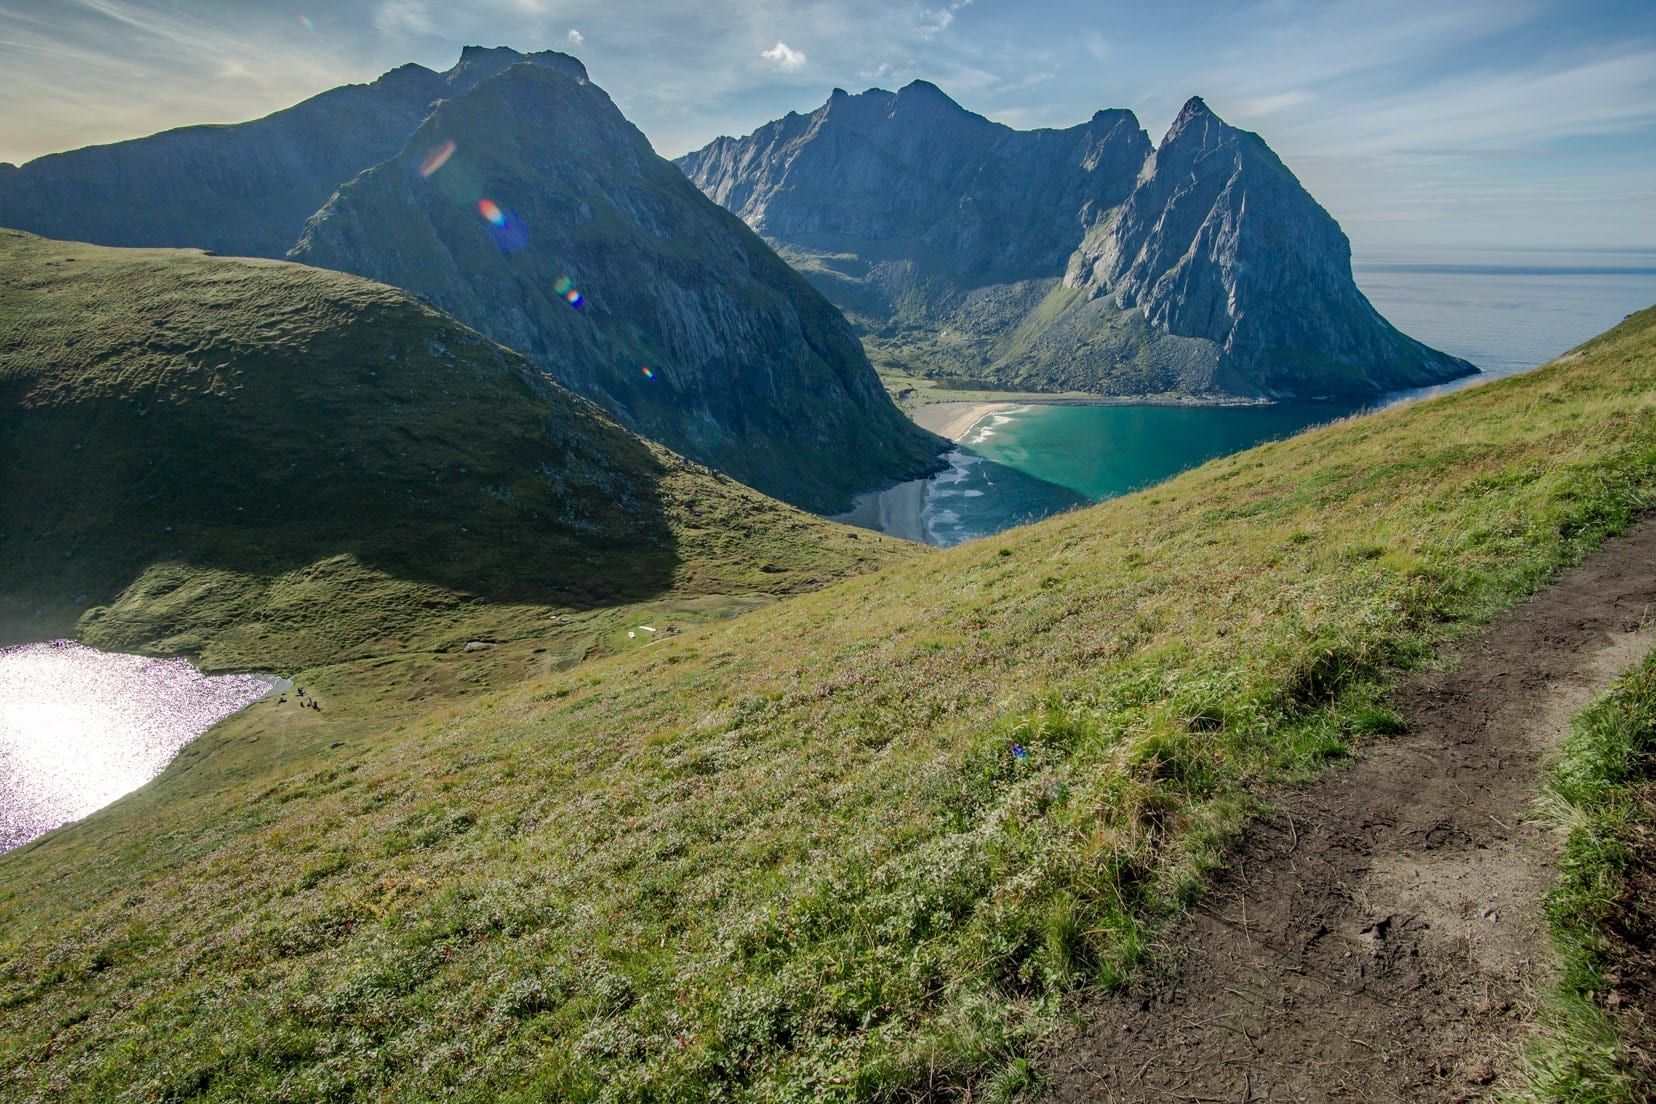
(955, 419)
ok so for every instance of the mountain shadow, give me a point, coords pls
(166, 416)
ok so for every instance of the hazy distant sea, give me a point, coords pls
(1504, 310)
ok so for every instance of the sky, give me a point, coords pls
(1437, 124)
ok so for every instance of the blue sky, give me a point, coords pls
(1442, 123)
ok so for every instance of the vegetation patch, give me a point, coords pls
(1599, 1042)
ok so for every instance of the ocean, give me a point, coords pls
(1504, 310)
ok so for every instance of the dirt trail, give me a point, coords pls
(1380, 938)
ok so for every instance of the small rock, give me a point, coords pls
(476, 646)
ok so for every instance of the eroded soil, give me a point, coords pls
(1380, 937)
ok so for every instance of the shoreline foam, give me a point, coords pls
(955, 420)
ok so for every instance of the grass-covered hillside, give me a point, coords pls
(1598, 1042)
(272, 465)
(851, 845)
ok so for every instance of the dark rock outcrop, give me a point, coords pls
(1073, 259)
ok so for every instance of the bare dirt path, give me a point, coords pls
(1380, 938)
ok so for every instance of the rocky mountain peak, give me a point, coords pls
(1112, 117)
(1194, 108)
(412, 75)
(1082, 258)
(925, 92)
(1197, 127)
(479, 63)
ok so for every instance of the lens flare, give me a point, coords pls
(648, 374)
(305, 22)
(506, 230)
(565, 288)
(437, 158)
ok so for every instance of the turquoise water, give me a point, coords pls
(1032, 461)
(1504, 310)
(1103, 451)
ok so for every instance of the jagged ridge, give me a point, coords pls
(1201, 268)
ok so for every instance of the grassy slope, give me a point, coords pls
(266, 464)
(1598, 1043)
(795, 856)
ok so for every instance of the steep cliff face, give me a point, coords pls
(1074, 259)
(1219, 242)
(914, 171)
(692, 331)
(688, 327)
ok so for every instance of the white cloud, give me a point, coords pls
(576, 37)
(1515, 109)
(935, 21)
(785, 57)
(403, 17)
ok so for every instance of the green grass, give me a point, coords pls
(794, 855)
(1603, 793)
(260, 463)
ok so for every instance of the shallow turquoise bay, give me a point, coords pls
(1504, 310)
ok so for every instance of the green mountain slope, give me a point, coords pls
(690, 330)
(850, 846)
(496, 190)
(267, 464)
